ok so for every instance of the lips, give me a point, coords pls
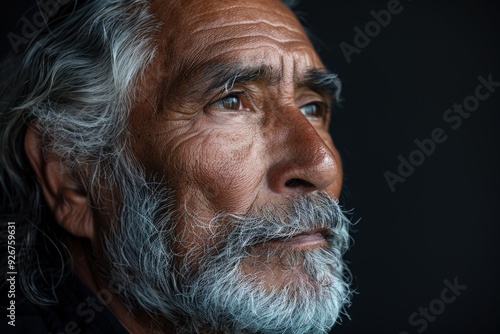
(307, 240)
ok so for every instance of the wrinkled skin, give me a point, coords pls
(231, 155)
(265, 142)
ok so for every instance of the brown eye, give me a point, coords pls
(230, 102)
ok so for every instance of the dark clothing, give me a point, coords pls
(78, 311)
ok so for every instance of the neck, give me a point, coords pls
(84, 267)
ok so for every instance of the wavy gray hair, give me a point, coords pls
(74, 83)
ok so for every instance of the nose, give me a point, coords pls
(301, 160)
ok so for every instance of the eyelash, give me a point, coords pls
(237, 94)
(322, 108)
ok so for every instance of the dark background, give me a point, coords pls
(442, 223)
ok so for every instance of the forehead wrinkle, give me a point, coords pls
(260, 41)
(286, 25)
(246, 10)
(265, 47)
(186, 81)
(215, 26)
(238, 31)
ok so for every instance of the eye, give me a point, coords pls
(314, 110)
(230, 102)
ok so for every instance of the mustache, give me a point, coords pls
(298, 215)
(223, 286)
(206, 278)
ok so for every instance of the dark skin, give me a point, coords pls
(263, 140)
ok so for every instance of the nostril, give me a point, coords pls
(298, 183)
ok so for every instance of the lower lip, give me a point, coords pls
(306, 241)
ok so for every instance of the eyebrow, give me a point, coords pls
(322, 82)
(227, 75)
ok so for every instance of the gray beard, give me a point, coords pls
(217, 295)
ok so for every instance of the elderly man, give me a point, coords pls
(168, 169)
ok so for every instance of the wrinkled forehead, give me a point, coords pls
(241, 30)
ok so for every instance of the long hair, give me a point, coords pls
(74, 82)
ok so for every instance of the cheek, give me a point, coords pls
(224, 168)
(215, 172)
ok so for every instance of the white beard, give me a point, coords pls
(217, 294)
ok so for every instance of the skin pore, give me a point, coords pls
(232, 114)
(232, 150)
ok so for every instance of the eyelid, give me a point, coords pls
(312, 97)
(319, 104)
(324, 111)
(224, 94)
(241, 94)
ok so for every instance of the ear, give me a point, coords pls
(66, 199)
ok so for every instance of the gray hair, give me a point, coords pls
(74, 83)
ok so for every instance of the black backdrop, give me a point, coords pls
(440, 226)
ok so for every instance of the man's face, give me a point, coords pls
(230, 146)
(232, 115)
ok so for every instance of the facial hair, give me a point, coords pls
(207, 287)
